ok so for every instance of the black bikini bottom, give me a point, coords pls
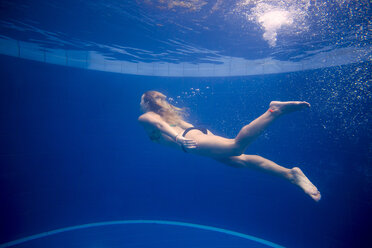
(203, 130)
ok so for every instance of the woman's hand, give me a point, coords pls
(186, 143)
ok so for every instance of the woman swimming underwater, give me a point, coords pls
(164, 124)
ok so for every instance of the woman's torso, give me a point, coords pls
(157, 136)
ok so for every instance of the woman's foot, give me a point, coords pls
(298, 177)
(277, 107)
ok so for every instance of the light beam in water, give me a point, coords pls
(272, 21)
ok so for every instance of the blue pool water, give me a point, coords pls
(77, 170)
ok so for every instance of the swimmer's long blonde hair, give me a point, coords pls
(156, 102)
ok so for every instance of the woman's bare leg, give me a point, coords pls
(294, 175)
(218, 147)
(251, 131)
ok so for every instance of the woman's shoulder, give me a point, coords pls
(148, 117)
